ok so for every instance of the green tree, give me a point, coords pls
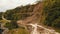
(52, 8)
(19, 12)
(11, 25)
(1, 13)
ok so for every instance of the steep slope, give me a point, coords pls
(29, 16)
(36, 14)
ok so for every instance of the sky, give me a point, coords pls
(10, 4)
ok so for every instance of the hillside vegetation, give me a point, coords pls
(52, 8)
(51, 12)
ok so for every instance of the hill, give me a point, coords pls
(45, 13)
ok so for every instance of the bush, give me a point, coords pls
(52, 8)
(11, 25)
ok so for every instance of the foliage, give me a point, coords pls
(1, 13)
(11, 25)
(18, 31)
(52, 8)
(56, 22)
(18, 13)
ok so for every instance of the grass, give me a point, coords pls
(57, 30)
(18, 31)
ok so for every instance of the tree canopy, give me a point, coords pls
(52, 8)
(19, 12)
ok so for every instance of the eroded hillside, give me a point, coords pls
(21, 19)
